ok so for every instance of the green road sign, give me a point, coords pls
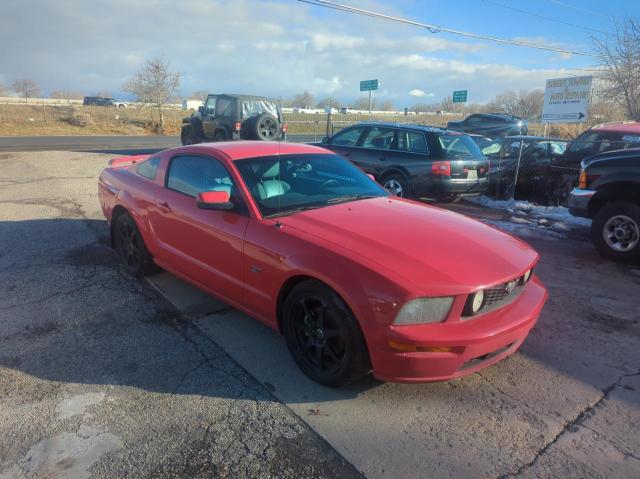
(368, 85)
(460, 96)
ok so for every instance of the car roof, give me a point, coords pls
(408, 126)
(504, 116)
(531, 138)
(243, 97)
(619, 126)
(238, 150)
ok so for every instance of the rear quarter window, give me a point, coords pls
(149, 168)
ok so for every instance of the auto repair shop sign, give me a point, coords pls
(566, 100)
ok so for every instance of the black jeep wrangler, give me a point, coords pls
(234, 117)
(609, 194)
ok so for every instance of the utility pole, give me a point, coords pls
(369, 102)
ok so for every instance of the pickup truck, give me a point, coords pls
(608, 192)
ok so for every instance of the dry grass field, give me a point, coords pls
(33, 119)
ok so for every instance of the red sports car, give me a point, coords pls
(300, 239)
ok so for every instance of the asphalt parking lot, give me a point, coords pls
(102, 375)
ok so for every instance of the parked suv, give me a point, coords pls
(234, 117)
(491, 125)
(102, 101)
(609, 192)
(564, 169)
(414, 160)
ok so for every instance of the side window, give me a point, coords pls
(149, 168)
(473, 120)
(379, 137)
(411, 141)
(492, 148)
(225, 107)
(348, 137)
(210, 106)
(192, 174)
(586, 144)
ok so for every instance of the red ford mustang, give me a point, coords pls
(300, 239)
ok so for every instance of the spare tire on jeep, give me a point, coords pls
(264, 127)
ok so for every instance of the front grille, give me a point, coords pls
(499, 293)
(496, 297)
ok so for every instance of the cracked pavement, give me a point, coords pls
(100, 376)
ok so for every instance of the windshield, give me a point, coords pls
(251, 108)
(458, 145)
(286, 184)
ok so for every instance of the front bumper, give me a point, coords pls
(475, 343)
(579, 202)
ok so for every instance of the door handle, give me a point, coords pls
(382, 158)
(347, 154)
(164, 206)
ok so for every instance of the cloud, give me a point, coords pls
(420, 93)
(276, 48)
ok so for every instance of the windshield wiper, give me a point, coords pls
(346, 198)
(293, 210)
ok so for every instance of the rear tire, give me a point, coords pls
(615, 231)
(132, 251)
(323, 335)
(397, 185)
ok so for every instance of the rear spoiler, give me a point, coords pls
(123, 161)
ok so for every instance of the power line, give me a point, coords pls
(437, 29)
(581, 9)
(544, 17)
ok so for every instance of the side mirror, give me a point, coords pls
(325, 140)
(201, 110)
(214, 200)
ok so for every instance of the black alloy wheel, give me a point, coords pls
(130, 247)
(266, 127)
(323, 336)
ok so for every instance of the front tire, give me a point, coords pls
(132, 251)
(323, 336)
(615, 231)
(188, 135)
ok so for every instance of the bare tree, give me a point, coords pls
(66, 95)
(303, 100)
(620, 63)
(362, 103)
(199, 95)
(524, 104)
(26, 88)
(388, 105)
(329, 102)
(155, 84)
(3, 90)
(446, 104)
(422, 107)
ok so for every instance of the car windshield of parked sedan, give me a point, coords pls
(456, 145)
(287, 184)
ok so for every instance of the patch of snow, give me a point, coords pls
(546, 213)
(526, 230)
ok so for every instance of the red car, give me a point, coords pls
(305, 242)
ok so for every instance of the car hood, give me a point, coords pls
(431, 249)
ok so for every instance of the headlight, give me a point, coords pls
(424, 310)
(474, 303)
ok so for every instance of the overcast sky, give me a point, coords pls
(282, 47)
